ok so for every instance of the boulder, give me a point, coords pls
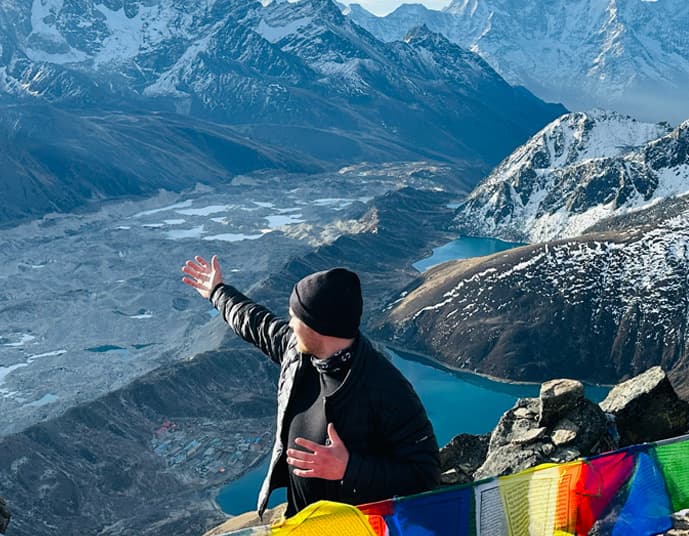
(557, 397)
(680, 524)
(5, 514)
(559, 426)
(460, 458)
(646, 408)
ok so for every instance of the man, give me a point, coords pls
(350, 427)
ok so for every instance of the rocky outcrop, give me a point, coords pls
(561, 425)
(5, 514)
(461, 457)
(680, 524)
(647, 408)
(558, 426)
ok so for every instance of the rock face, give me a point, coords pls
(559, 426)
(5, 514)
(646, 408)
(579, 170)
(599, 308)
(461, 457)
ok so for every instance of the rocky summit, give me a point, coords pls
(561, 425)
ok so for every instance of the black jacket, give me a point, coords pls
(391, 444)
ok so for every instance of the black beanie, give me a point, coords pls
(329, 302)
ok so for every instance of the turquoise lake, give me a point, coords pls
(465, 247)
(456, 402)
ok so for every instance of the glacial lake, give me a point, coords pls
(456, 401)
(464, 247)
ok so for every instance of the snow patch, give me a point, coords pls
(273, 34)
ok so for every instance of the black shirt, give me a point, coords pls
(306, 417)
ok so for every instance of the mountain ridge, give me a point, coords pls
(580, 169)
(586, 54)
(292, 64)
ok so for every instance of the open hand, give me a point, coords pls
(324, 461)
(204, 277)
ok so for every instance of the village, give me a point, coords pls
(200, 450)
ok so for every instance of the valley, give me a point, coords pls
(131, 378)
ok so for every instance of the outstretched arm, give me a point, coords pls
(252, 322)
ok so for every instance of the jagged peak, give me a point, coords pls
(423, 35)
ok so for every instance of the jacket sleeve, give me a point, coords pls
(252, 322)
(410, 460)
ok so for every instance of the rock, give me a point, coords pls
(680, 524)
(556, 398)
(507, 460)
(456, 475)
(559, 426)
(646, 408)
(564, 455)
(562, 437)
(249, 519)
(460, 458)
(529, 436)
(5, 514)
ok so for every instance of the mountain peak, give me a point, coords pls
(577, 171)
(421, 33)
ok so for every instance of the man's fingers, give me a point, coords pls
(333, 435)
(195, 275)
(300, 462)
(192, 283)
(198, 267)
(203, 262)
(304, 473)
(315, 447)
(300, 454)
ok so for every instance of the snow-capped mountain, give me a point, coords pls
(598, 307)
(579, 170)
(295, 73)
(631, 56)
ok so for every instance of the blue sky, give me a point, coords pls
(383, 7)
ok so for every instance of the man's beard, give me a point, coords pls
(304, 349)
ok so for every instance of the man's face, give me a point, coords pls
(308, 341)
